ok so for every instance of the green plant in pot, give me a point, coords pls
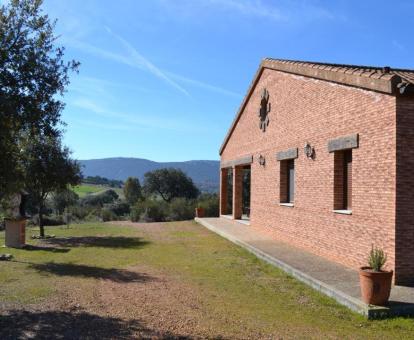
(375, 282)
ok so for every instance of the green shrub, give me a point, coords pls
(108, 215)
(136, 212)
(93, 216)
(181, 209)
(377, 259)
(149, 210)
(80, 212)
(108, 196)
(210, 203)
(49, 220)
(119, 208)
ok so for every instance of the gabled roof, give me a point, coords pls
(387, 80)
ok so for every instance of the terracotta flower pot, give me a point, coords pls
(199, 212)
(375, 286)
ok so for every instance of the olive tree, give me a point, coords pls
(48, 168)
(170, 183)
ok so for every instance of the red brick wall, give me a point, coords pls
(404, 233)
(314, 111)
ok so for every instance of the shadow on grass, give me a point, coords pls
(73, 325)
(48, 248)
(68, 269)
(98, 241)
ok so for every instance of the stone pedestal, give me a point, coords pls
(15, 233)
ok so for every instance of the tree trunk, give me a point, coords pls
(42, 229)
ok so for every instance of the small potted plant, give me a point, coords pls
(375, 282)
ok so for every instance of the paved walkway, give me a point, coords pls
(333, 279)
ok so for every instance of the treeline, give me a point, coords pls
(166, 195)
(98, 180)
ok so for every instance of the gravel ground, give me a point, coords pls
(157, 307)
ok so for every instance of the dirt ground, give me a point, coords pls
(154, 307)
(137, 302)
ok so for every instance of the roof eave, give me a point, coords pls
(386, 83)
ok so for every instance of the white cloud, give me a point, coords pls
(97, 125)
(398, 45)
(133, 59)
(136, 120)
(288, 11)
(203, 85)
(138, 60)
(251, 8)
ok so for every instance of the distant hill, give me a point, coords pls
(205, 174)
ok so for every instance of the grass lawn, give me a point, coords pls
(164, 280)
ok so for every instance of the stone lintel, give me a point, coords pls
(287, 154)
(235, 162)
(343, 143)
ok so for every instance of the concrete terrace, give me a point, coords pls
(332, 279)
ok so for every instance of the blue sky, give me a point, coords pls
(163, 79)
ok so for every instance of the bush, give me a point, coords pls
(136, 212)
(181, 209)
(79, 212)
(149, 211)
(109, 196)
(108, 215)
(51, 220)
(120, 208)
(210, 203)
(155, 211)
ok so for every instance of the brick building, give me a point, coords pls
(322, 156)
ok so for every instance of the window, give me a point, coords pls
(343, 180)
(287, 181)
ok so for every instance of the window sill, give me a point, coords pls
(291, 205)
(343, 212)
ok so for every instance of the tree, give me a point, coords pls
(48, 168)
(33, 74)
(170, 183)
(132, 190)
(62, 199)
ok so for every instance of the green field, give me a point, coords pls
(83, 190)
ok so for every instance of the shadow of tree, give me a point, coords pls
(48, 248)
(68, 269)
(18, 324)
(98, 241)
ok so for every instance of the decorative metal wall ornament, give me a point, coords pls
(309, 150)
(262, 160)
(264, 110)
